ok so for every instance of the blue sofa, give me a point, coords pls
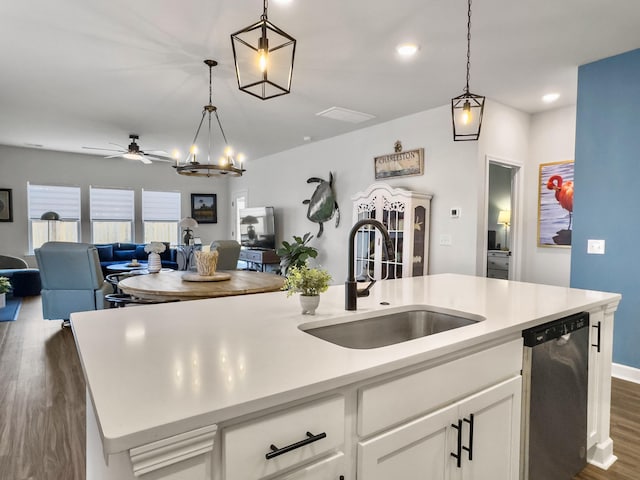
(111, 253)
(24, 281)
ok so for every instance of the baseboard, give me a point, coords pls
(625, 372)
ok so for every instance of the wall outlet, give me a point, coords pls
(454, 212)
(445, 240)
(595, 247)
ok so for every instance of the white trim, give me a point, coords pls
(625, 372)
(517, 215)
(169, 451)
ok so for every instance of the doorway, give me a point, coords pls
(503, 224)
(239, 200)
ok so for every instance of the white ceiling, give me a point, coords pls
(88, 72)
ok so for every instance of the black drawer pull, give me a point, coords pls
(599, 327)
(275, 451)
(470, 447)
(458, 456)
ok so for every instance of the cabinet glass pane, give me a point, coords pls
(419, 229)
(365, 247)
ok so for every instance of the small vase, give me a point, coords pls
(309, 303)
(3, 300)
(155, 263)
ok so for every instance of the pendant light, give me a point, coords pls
(467, 109)
(263, 56)
(228, 163)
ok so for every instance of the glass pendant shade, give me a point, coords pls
(466, 112)
(263, 55)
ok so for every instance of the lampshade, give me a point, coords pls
(248, 220)
(188, 222)
(50, 216)
(263, 56)
(504, 217)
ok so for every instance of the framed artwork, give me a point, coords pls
(6, 207)
(555, 204)
(399, 164)
(204, 207)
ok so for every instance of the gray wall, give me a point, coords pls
(21, 165)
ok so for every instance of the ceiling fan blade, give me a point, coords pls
(105, 149)
(114, 156)
(161, 152)
(145, 160)
(118, 145)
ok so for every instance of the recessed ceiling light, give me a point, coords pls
(407, 49)
(550, 97)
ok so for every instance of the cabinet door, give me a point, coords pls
(414, 451)
(491, 433)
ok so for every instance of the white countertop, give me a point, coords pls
(159, 370)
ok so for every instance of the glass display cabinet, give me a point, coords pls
(405, 214)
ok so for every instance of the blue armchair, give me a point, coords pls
(72, 279)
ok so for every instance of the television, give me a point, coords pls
(257, 228)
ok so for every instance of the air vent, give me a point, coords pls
(345, 115)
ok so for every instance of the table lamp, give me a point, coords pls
(504, 218)
(187, 224)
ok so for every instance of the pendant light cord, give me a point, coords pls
(468, 46)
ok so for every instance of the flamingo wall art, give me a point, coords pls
(555, 204)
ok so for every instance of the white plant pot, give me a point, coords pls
(155, 263)
(3, 300)
(309, 303)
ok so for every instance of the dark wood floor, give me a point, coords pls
(42, 406)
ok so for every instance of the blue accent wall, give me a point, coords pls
(607, 193)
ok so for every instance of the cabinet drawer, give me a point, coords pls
(251, 256)
(246, 445)
(329, 468)
(504, 274)
(395, 401)
(498, 263)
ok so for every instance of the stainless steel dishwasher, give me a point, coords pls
(554, 414)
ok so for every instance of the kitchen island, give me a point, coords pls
(208, 389)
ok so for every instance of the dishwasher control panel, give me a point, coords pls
(555, 329)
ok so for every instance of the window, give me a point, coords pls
(111, 215)
(65, 201)
(160, 216)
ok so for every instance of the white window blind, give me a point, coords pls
(160, 206)
(65, 201)
(111, 204)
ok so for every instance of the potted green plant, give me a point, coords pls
(309, 283)
(5, 287)
(296, 254)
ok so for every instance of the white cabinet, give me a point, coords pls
(498, 264)
(405, 214)
(278, 442)
(474, 439)
(599, 443)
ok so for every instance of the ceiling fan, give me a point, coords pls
(133, 152)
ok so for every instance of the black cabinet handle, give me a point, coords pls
(458, 456)
(470, 447)
(275, 451)
(599, 327)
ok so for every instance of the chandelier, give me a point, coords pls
(263, 56)
(227, 164)
(467, 109)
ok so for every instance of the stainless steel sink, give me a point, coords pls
(390, 328)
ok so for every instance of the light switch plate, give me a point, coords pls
(595, 247)
(445, 240)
